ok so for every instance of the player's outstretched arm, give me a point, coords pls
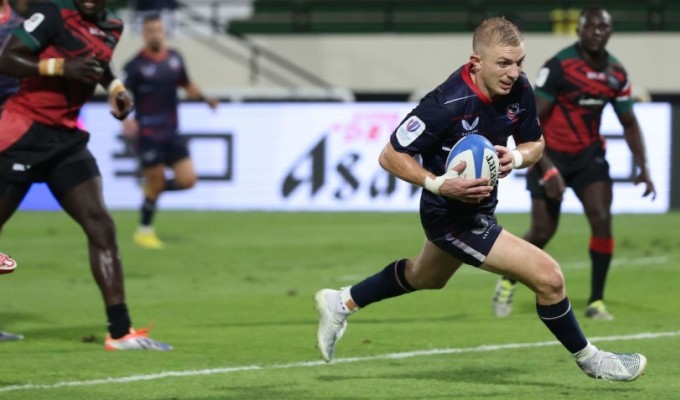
(20, 61)
(633, 135)
(194, 93)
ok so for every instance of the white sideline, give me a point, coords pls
(388, 356)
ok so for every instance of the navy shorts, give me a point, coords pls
(578, 170)
(154, 151)
(43, 154)
(469, 238)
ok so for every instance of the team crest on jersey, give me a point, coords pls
(470, 127)
(174, 63)
(511, 111)
(409, 130)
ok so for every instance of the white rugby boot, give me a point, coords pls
(502, 297)
(332, 321)
(608, 366)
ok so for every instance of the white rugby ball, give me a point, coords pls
(479, 155)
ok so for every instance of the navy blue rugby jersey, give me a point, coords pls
(457, 108)
(153, 81)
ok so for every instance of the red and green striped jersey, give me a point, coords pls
(57, 30)
(579, 93)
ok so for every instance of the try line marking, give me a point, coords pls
(302, 364)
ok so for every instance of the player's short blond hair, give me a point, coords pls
(496, 31)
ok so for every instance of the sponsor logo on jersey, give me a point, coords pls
(33, 22)
(410, 130)
(149, 155)
(97, 32)
(149, 69)
(481, 227)
(589, 101)
(596, 76)
(20, 167)
(543, 74)
(470, 127)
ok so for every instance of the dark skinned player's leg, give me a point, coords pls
(7, 209)
(597, 202)
(85, 204)
(545, 216)
(8, 206)
(154, 184)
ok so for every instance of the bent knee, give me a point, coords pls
(551, 280)
(540, 237)
(100, 228)
(187, 182)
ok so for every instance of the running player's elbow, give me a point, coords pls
(383, 159)
(537, 150)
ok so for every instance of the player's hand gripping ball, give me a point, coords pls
(480, 157)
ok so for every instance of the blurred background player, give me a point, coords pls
(59, 68)
(153, 77)
(164, 9)
(572, 90)
(9, 20)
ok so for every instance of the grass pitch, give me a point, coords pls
(233, 293)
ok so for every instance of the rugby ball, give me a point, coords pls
(479, 155)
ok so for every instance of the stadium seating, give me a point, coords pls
(439, 16)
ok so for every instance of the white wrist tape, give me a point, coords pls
(519, 159)
(433, 185)
(115, 87)
(51, 66)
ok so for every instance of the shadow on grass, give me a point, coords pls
(313, 322)
(510, 378)
(68, 333)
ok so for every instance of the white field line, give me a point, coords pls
(303, 364)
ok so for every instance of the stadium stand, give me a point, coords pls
(431, 16)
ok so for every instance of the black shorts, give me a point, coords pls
(578, 170)
(43, 154)
(166, 151)
(469, 238)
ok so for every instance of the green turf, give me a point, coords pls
(235, 290)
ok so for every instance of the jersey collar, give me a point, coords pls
(468, 80)
(155, 56)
